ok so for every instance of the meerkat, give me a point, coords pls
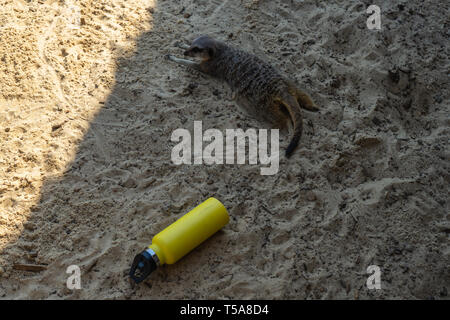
(253, 79)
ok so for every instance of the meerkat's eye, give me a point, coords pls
(196, 49)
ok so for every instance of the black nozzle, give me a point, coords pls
(143, 264)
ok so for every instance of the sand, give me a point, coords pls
(88, 105)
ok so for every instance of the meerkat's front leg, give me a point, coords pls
(184, 62)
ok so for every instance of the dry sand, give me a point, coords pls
(86, 178)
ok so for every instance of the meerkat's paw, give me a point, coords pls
(312, 107)
(184, 62)
(180, 44)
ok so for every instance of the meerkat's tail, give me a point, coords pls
(295, 139)
(293, 108)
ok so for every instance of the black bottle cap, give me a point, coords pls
(143, 264)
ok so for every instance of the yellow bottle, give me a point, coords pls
(180, 237)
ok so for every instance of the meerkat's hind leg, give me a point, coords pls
(305, 101)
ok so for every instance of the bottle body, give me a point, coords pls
(189, 231)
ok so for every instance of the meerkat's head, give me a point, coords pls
(203, 47)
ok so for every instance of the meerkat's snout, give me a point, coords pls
(192, 51)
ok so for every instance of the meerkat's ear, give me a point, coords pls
(210, 52)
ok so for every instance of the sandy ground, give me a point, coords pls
(86, 116)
